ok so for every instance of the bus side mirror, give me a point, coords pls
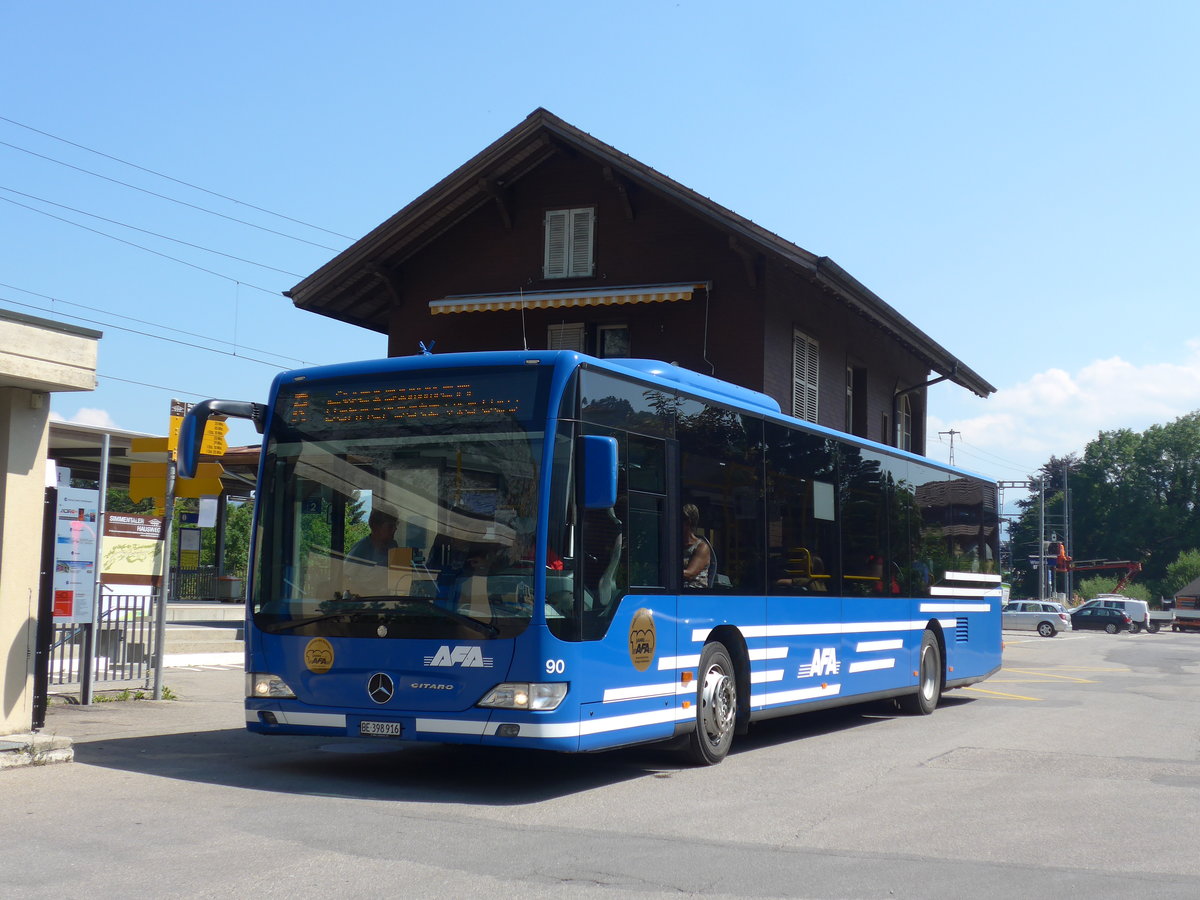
(599, 467)
(191, 432)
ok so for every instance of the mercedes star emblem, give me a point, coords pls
(380, 688)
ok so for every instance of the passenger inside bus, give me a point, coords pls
(699, 559)
(381, 539)
(803, 572)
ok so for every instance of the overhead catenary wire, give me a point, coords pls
(156, 234)
(195, 334)
(158, 387)
(147, 334)
(113, 237)
(979, 451)
(180, 181)
(194, 206)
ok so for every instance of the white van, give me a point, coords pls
(1137, 610)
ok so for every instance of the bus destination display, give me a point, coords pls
(431, 402)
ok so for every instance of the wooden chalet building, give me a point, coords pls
(549, 238)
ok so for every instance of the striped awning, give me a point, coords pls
(652, 293)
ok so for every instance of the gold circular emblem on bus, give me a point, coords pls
(318, 656)
(641, 639)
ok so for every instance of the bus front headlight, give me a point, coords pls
(265, 686)
(525, 695)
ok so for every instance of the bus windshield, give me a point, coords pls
(401, 507)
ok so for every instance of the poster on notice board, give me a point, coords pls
(76, 541)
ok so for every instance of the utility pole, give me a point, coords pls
(952, 433)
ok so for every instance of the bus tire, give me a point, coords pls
(929, 679)
(716, 706)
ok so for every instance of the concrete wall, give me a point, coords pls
(23, 439)
(36, 357)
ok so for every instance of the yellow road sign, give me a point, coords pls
(207, 482)
(149, 445)
(147, 479)
(214, 438)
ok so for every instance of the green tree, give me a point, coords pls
(1180, 573)
(1090, 588)
(1133, 496)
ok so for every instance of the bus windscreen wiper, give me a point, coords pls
(279, 627)
(428, 603)
(354, 615)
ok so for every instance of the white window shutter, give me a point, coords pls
(566, 337)
(805, 376)
(582, 221)
(557, 237)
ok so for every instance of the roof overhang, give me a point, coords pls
(356, 287)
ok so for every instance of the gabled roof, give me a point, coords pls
(353, 286)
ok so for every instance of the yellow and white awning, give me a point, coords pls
(653, 293)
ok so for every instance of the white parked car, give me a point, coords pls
(1042, 616)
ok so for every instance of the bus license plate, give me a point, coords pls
(387, 729)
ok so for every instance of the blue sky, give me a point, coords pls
(1017, 178)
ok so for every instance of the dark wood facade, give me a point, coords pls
(483, 231)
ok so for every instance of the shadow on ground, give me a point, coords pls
(430, 773)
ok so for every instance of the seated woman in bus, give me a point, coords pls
(809, 576)
(699, 561)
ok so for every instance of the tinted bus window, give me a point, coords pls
(721, 460)
(802, 535)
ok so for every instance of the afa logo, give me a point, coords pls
(642, 639)
(318, 656)
(824, 662)
(465, 657)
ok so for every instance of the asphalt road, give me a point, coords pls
(1075, 772)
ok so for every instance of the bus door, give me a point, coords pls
(626, 624)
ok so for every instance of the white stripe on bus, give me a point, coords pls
(768, 675)
(640, 692)
(955, 607)
(971, 576)
(451, 726)
(828, 690)
(750, 632)
(870, 665)
(869, 646)
(678, 662)
(313, 720)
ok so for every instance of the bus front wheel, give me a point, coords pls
(716, 707)
(929, 679)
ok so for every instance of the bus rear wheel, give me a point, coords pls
(929, 679)
(716, 707)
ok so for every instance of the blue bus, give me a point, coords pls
(547, 550)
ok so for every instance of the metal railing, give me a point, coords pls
(206, 584)
(122, 648)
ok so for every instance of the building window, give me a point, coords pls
(566, 337)
(569, 236)
(904, 423)
(805, 372)
(612, 342)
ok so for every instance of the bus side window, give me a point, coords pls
(802, 533)
(721, 475)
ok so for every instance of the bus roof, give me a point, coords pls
(705, 386)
